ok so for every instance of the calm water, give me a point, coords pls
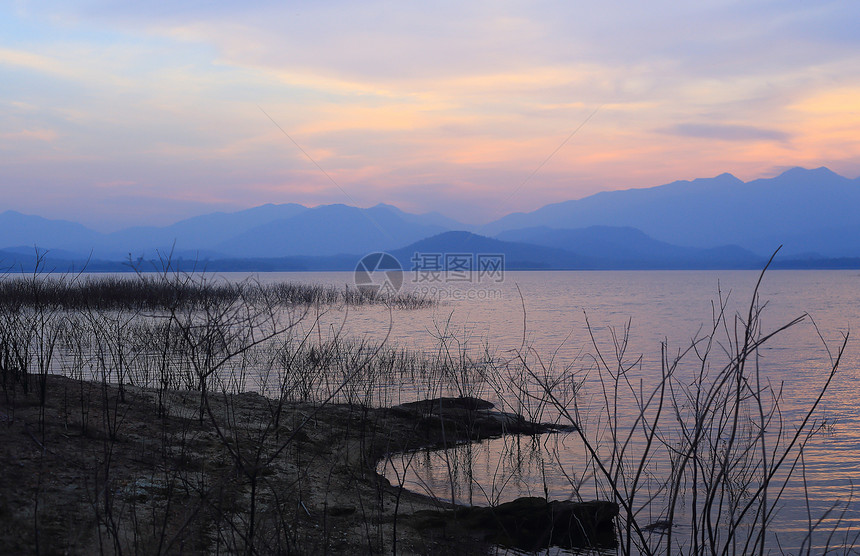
(551, 309)
(550, 312)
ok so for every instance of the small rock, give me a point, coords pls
(532, 523)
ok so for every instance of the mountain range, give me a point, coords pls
(719, 222)
(809, 212)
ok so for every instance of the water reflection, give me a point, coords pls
(488, 472)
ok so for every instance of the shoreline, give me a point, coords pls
(100, 468)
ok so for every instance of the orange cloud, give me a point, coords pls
(828, 123)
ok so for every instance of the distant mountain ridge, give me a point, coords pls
(330, 230)
(18, 229)
(264, 231)
(592, 250)
(719, 222)
(807, 211)
(199, 233)
(625, 247)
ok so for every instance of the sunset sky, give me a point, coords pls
(114, 114)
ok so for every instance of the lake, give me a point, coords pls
(559, 321)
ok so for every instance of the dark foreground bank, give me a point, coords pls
(98, 469)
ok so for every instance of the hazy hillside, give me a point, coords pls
(517, 255)
(625, 247)
(200, 233)
(589, 249)
(329, 230)
(605, 241)
(428, 218)
(264, 231)
(758, 215)
(22, 230)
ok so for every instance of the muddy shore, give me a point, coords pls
(95, 469)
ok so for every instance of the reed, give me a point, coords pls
(159, 291)
(703, 464)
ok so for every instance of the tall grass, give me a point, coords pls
(199, 347)
(703, 462)
(195, 291)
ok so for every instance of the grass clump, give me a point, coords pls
(159, 292)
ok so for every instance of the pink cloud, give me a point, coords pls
(46, 135)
